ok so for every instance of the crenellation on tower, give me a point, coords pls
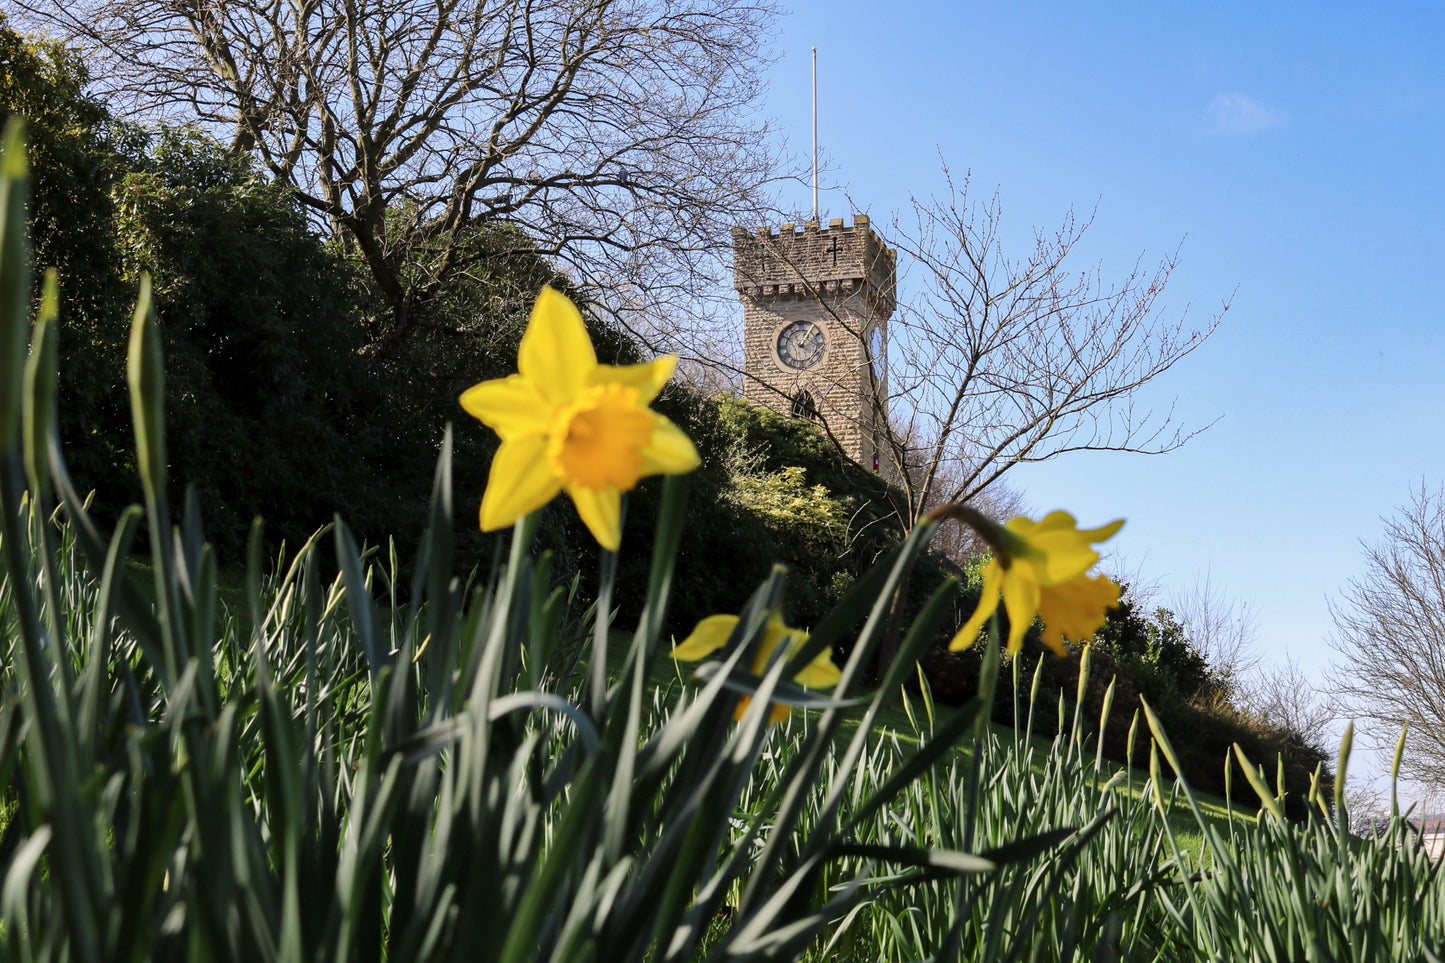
(789, 262)
(816, 304)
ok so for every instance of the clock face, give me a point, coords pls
(801, 344)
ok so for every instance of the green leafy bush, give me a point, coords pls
(257, 317)
(1157, 655)
(770, 490)
(259, 340)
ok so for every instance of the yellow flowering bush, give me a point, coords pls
(787, 501)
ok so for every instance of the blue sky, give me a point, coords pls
(1297, 150)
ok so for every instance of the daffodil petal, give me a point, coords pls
(601, 511)
(1062, 559)
(1023, 525)
(521, 481)
(707, 637)
(821, 673)
(670, 451)
(648, 378)
(509, 406)
(777, 712)
(1065, 550)
(1053, 637)
(712, 633)
(1056, 519)
(1021, 601)
(1076, 609)
(1104, 532)
(987, 605)
(556, 353)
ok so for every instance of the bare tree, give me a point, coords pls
(1001, 361)
(1284, 697)
(1390, 630)
(1369, 814)
(1225, 629)
(621, 136)
(959, 542)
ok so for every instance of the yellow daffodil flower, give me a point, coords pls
(570, 424)
(712, 634)
(1038, 569)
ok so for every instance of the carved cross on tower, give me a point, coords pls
(833, 249)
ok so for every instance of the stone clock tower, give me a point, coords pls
(816, 305)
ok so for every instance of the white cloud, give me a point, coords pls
(1234, 115)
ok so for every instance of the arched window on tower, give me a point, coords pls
(803, 406)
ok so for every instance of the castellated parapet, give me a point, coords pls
(816, 304)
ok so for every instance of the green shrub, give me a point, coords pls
(77, 151)
(260, 344)
(770, 490)
(1157, 655)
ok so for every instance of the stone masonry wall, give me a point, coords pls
(842, 279)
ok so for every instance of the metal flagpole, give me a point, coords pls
(815, 133)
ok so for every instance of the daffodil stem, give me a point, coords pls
(988, 676)
(489, 659)
(603, 623)
(1004, 544)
